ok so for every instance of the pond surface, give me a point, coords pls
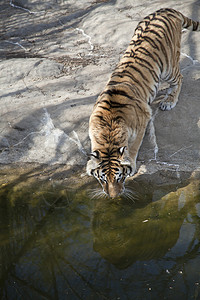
(60, 243)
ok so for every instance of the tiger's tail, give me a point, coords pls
(190, 24)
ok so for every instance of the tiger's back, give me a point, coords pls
(122, 112)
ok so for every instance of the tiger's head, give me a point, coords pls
(111, 169)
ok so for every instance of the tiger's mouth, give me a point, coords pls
(113, 189)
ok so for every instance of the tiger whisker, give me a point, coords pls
(133, 190)
(128, 193)
(97, 193)
(130, 198)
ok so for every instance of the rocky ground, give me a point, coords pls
(56, 57)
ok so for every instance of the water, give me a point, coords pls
(57, 242)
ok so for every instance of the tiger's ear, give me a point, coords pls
(95, 154)
(126, 161)
(93, 163)
(121, 150)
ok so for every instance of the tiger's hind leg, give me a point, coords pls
(171, 97)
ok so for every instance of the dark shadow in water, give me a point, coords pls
(34, 220)
(58, 243)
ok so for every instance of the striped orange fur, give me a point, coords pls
(122, 111)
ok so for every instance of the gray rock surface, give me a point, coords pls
(56, 57)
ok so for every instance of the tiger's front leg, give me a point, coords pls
(171, 98)
(134, 146)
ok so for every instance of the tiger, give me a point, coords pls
(122, 111)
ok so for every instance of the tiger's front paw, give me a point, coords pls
(168, 103)
(165, 105)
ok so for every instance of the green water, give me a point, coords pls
(60, 243)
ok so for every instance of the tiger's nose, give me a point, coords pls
(113, 195)
(112, 191)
